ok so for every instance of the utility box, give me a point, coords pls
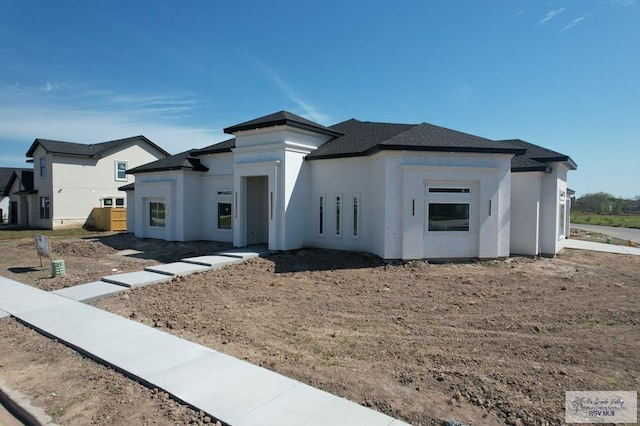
(58, 268)
(110, 218)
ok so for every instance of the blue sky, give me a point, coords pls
(562, 74)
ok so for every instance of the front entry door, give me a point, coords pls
(257, 210)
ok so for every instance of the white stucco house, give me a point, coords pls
(401, 191)
(70, 179)
(12, 180)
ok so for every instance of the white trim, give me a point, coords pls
(116, 170)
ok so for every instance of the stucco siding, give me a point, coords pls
(345, 178)
(408, 177)
(525, 212)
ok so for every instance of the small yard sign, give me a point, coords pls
(43, 245)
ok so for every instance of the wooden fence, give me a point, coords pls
(110, 218)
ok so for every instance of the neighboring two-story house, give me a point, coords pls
(12, 180)
(70, 179)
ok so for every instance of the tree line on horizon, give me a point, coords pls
(604, 203)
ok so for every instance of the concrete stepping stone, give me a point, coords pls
(242, 253)
(90, 291)
(177, 268)
(137, 279)
(213, 261)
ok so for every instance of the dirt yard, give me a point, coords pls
(483, 343)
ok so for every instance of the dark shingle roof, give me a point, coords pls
(366, 138)
(536, 154)
(183, 161)
(279, 119)
(8, 176)
(224, 146)
(128, 187)
(95, 150)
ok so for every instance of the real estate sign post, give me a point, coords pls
(43, 245)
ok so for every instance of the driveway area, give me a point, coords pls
(622, 233)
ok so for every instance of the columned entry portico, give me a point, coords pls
(256, 217)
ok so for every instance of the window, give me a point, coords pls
(43, 167)
(45, 208)
(338, 215)
(321, 223)
(121, 170)
(224, 209)
(450, 190)
(107, 202)
(448, 217)
(119, 202)
(224, 215)
(561, 220)
(356, 216)
(157, 214)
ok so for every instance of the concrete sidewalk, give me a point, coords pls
(231, 390)
(601, 247)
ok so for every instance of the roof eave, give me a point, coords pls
(479, 150)
(561, 159)
(167, 169)
(544, 169)
(211, 151)
(282, 122)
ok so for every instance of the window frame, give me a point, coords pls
(356, 222)
(124, 171)
(446, 229)
(338, 228)
(224, 198)
(45, 207)
(322, 210)
(157, 203)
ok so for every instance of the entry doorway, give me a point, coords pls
(257, 228)
(13, 213)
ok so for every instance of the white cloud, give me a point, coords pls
(97, 116)
(50, 87)
(311, 112)
(551, 14)
(573, 23)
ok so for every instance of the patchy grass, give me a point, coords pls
(623, 221)
(8, 233)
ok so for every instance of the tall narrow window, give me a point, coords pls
(45, 208)
(121, 170)
(561, 220)
(321, 211)
(157, 214)
(338, 215)
(356, 216)
(224, 209)
(43, 167)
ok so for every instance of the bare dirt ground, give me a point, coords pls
(492, 342)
